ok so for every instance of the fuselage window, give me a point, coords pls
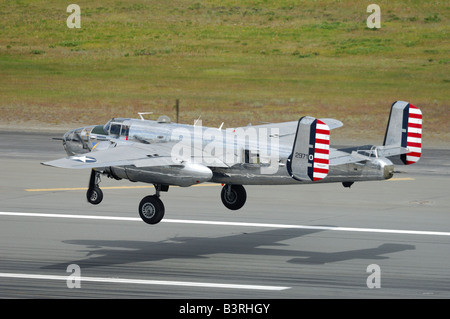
(125, 130)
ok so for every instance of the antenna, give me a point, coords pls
(142, 113)
(195, 122)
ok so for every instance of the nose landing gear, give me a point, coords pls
(94, 194)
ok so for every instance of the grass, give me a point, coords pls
(229, 61)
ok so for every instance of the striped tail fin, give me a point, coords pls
(405, 130)
(311, 150)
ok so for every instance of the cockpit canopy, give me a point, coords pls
(117, 127)
(138, 130)
(86, 139)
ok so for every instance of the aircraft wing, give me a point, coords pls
(121, 155)
(139, 155)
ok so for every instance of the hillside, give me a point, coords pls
(227, 61)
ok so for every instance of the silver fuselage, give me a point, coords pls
(248, 155)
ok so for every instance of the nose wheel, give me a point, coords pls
(94, 194)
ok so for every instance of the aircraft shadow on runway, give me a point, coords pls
(116, 252)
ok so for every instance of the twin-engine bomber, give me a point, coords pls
(166, 154)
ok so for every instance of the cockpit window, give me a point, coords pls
(99, 129)
(117, 127)
(107, 126)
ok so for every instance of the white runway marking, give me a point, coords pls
(240, 224)
(143, 282)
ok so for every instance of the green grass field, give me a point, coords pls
(227, 61)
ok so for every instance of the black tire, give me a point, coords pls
(151, 210)
(236, 197)
(94, 195)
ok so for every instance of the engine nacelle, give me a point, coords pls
(180, 175)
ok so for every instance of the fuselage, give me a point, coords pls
(252, 155)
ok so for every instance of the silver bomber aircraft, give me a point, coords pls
(166, 154)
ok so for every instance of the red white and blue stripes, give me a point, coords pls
(310, 157)
(321, 151)
(414, 135)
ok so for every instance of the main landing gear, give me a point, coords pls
(151, 208)
(233, 196)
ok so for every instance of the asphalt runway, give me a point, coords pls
(388, 239)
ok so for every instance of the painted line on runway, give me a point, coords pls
(398, 179)
(332, 228)
(239, 224)
(143, 282)
(132, 219)
(81, 188)
(148, 186)
(106, 187)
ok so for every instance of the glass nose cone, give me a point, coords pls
(77, 141)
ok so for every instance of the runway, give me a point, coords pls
(388, 239)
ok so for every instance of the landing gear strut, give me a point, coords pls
(94, 194)
(151, 208)
(233, 196)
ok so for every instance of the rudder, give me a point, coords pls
(310, 153)
(405, 130)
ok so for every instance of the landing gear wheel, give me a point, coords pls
(233, 196)
(94, 195)
(151, 209)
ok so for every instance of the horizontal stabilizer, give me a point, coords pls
(309, 160)
(390, 150)
(332, 123)
(340, 158)
(361, 154)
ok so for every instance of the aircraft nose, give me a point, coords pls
(77, 141)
